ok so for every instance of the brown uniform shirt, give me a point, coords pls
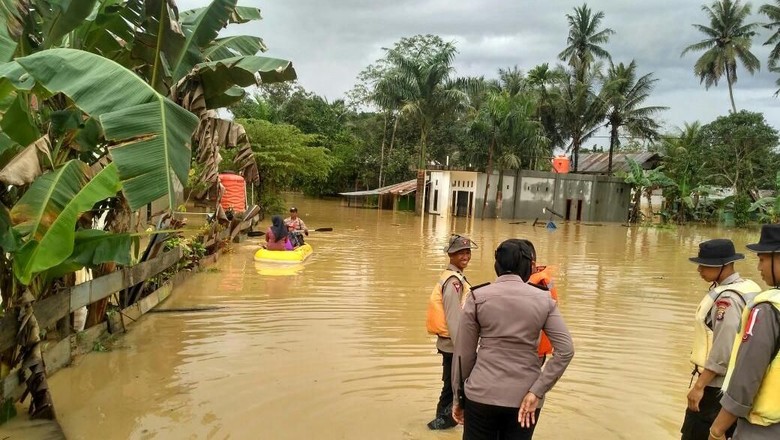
(753, 357)
(504, 319)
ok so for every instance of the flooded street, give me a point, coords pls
(337, 348)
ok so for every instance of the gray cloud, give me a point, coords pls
(330, 41)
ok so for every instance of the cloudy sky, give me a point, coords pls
(330, 41)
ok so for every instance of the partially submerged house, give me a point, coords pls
(587, 196)
(399, 196)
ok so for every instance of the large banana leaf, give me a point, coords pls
(25, 166)
(17, 123)
(110, 30)
(64, 17)
(47, 213)
(93, 247)
(8, 236)
(159, 39)
(218, 77)
(152, 133)
(200, 29)
(230, 47)
(240, 14)
(12, 14)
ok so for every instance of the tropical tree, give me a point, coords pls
(585, 40)
(623, 94)
(427, 91)
(82, 130)
(644, 183)
(503, 115)
(685, 162)
(543, 82)
(580, 111)
(728, 39)
(742, 153)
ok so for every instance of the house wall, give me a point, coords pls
(602, 198)
(442, 186)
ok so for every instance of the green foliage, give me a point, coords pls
(288, 158)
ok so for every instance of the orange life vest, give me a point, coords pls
(436, 321)
(543, 277)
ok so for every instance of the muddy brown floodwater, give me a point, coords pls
(337, 348)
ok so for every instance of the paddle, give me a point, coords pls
(323, 229)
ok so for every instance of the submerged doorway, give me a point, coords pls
(462, 203)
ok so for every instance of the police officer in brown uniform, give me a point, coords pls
(716, 324)
(496, 361)
(444, 310)
(752, 386)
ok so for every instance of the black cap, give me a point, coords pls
(293, 209)
(769, 241)
(716, 253)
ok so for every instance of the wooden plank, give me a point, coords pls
(53, 308)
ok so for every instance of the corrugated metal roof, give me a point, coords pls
(598, 162)
(401, 189)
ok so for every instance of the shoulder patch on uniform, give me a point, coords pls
(457, 285)
(479, 286)
(722, 305)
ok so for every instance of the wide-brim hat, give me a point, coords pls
(769, 241)
(716, 253)
(457, 243)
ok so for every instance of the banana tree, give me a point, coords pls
(145, 134)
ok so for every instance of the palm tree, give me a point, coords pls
(773, 13)
(541, 81)
(580, 111)
(506, 120)
(585, 40)
(426, 90)
(623, 94)
(728, 39)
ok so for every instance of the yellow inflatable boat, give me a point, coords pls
(297, 255)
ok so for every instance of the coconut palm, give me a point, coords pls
(624, 94)
(542, 81)
(585, 40)
(728, 39)
(773, 13)
(580, 111)
(427, 91)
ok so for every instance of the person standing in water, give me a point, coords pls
(716, 324)
(497, 370)
(751, 390)
(444, 310)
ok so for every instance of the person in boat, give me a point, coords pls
(716, 324)
(499, 328)
(444, 309)
(542, 278)
(296, 227)
(276, 236)
(751, 390)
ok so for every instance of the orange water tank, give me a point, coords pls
(561, 164)
(235, 192)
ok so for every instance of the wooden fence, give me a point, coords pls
(59, 306)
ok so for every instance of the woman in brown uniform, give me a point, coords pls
(500, 386)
